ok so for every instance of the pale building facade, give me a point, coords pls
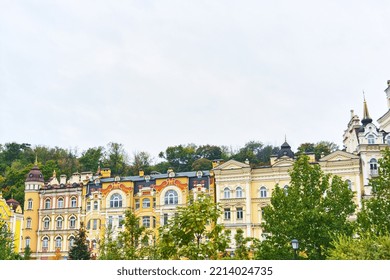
(243, 191)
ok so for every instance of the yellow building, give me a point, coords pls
(11, 214)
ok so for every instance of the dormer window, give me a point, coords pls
(371, 139)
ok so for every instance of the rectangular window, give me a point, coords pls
(95, 222)
(28, 242)
(30, 204)
(165, 219)
(28, 223)
(154, 203)
(137, 204)
(89, 206)
(146, 203)
(226, 213)
(154, 222)
(109, 223)
(120, 221)
(240, 214)
(146, 221)
(95, 205)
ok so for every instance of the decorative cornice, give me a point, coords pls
(121, 187)
(171, 182)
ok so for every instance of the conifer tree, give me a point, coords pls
(80, 250)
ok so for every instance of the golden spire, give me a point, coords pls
(366, 116)
(54, 174)
(36, 160)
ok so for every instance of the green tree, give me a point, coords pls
(80, 250)
(6, 243)
(320, 149)
(27, 253)
(375, 213)
(209, 152)
(194, 232)
(367, 247)
(180, 157)
(90, 159)
(256, 153)
(116, 158)
(131, 237)
(140, 161)
(243, 247)
(314, 209)
(202, 164)
(109, 248)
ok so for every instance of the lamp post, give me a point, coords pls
(295, 246)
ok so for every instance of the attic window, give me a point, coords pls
(371, 139)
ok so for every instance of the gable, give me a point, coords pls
(231, 164)
(339, 156)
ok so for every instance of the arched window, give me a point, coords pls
(146, 203)
(373, 166)
(226, 193)
(46, 223)
(72, 222)
(45, 243)
(263, 192)
(59, 221)
(371, 139)
(349, 184)
(73, 202)
(116, 201)
(30, 204)
(28, 223)
(171, 197)
(238, 192)
(58, 242)
(47, 203)
(60, 203)
(71, 242)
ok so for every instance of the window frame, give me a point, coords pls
(239, 213)
(171, 197)
(239, 193)
(226, 214)
(60, 202)
(263, 192)
(226, 193)
(116, 201)
(47, 203)
(145, 203)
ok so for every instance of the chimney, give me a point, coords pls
(63, 179)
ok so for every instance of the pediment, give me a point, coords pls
(284, 161)
(338, 156)
(232, 164)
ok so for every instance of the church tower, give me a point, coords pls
(33, 183)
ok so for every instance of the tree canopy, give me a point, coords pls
(375, 213)
(313, 210)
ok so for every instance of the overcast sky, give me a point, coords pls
(152, 74)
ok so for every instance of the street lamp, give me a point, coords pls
(295, 246)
